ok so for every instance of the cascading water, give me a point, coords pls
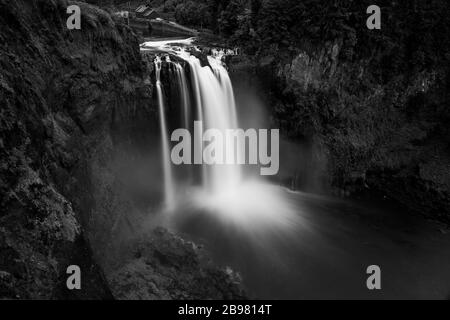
(218, 114)
(194, 65)
(311, 246)
(227, 88)
(215, 109)
(169, 190)
(184, 93)
(224, 192)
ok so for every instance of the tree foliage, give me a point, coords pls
(192, 13)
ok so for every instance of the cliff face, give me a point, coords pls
(79, 148)
(370, 105)
(58, 92)
(369, 131)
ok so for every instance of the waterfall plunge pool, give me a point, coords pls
(291, 245)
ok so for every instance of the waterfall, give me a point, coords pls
(208, 104)
(169, 191)
(219, 113)
(184, 93)
(194, 65)
(227, 88)
(215, 107)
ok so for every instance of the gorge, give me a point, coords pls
(87, 177)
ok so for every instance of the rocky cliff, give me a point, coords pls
(77, 115)
(56, 89)
(369, 107)
(365, 128)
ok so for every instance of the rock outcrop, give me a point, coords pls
(163, 266)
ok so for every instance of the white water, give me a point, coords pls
(184, 92)
(225, 193)
(215, 106)
(169, 190)
(165, 45)
(218, 114)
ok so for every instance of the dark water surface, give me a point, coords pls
(326, 255)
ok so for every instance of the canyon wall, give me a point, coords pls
(59, 90)
(78, 130)
(366, 128)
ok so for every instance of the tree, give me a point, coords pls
(229, 18)
(192, 14)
